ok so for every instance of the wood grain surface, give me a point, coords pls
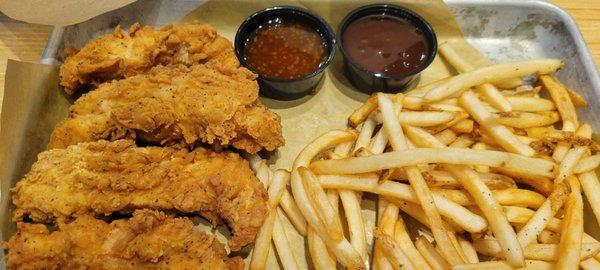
(25, 42)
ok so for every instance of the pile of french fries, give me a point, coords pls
(469, 175)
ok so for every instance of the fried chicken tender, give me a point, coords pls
(102, 177)
(148, 240)
(122, 55)
(175, 105)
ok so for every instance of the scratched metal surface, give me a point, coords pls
(510, 29)
(503, 30)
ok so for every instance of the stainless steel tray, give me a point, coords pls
(502, 29)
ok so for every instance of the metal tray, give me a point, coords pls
(503, 30)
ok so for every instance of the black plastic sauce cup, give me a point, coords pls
(285, 89)
(371, 81)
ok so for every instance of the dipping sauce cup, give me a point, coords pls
(385, 47)
(288, 47)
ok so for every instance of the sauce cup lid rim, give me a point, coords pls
(322, 66)
(430, 56)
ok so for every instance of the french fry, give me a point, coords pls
(591, 189)
(396, 136)
(254, 161)
(321, 257)
(535, 225)
(385, 226)
(521, 197)
(527, 119)
(555, 200)
(379, 142)
(446, 136)
(491, 210)
(590, 264)
(370, 183)
(587, 164)
(530, 104)
(484, 118)
(552, 252)
(481, 146)
(426, 118)
(441, 107)
(443, 179)
(292, 211)
(282, 244)
(403, 239)
(565, 107)
(538, 265)
(489, 91)
(563, 102)
(343, 250)
(415, 102)
(277, 187)
(539, 132)
(319, 199)
(495, 265)
(493, 74)
(435, 260)
(364, 137)
(541, 184)
(572, 229)
(542, 252)
(420, 90)
(397, 258)
(576, 98)
(565, 169)
(464, 126)
(458, 117)
(351, 200)
(356, 165)
(362, 113)
(469, 250)
(549, 237)
(521, 215)
(262, 244)
(463, 141)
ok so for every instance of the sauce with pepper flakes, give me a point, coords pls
(285, 50)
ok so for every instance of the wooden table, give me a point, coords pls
(26, 42)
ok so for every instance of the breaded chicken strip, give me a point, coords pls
(101, 178)
(122, 55)
(175, 105)
(148, 240)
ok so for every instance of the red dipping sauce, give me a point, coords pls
(285, 50)
(384, 44)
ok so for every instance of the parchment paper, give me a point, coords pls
(33, 103)
(58, 12)
(335, 98)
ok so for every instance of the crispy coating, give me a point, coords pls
(148, 240)
(103, 177)
(175, 105)
(122, 55)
